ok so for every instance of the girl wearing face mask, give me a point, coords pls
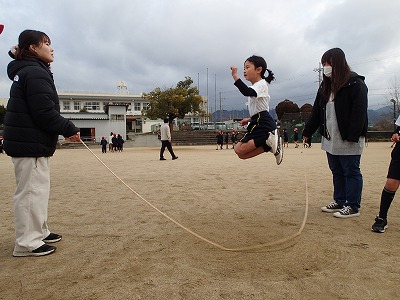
(340, 115)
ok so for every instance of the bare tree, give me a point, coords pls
(394, 95)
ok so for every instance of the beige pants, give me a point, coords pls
(31, 200)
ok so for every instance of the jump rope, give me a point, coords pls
(219, 246)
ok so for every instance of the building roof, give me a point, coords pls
(100, 97)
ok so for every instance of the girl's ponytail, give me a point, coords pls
(270, 77)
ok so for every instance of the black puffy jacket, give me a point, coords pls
(33, 122)
(351, 104)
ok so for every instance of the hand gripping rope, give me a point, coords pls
(246, 248)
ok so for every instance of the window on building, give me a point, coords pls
(146, 106)
(137, 106)
(92, 105)
(66, 105)
(117, 117)
(77, 105)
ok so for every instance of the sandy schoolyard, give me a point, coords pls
(116, 246)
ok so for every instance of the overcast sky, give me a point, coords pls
(156, 43)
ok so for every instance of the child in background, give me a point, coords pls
(103, 144)
(285, 138)
(220, 139)
(226, 139)
(296, 137)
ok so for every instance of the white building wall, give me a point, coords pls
(148, 124)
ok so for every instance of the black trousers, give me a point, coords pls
(166, 144)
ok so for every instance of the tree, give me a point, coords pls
(286, 106)
(384, 124)
(306, 108)
(2, 114)
(173, 102)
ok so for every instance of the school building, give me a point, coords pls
(98, 115)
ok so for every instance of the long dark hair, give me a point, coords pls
(340, 71)
(258, 61)
(30, 37)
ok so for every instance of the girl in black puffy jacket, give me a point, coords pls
(31, 127)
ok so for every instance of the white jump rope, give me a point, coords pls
(246, 248)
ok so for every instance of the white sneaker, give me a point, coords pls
(273, 141)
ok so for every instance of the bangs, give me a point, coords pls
(326, 57)
(45, 39)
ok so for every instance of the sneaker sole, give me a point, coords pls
(279, 157)
(330, 210)
(379, 231)
(339, 215)
(276, 142)
(25, 254)
(52, 241)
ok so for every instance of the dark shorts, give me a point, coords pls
(394, 166)
(258, 130)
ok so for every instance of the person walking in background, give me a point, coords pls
(391, 185)
(226, 139)
(340, 115)
(32, 124)
(296, 137)
(166, 141)
(103, 144)
(285, 138)
(262, 135)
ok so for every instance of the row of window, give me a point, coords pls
(90, 106)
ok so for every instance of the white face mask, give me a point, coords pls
(328, 71)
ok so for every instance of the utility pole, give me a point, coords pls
(207, 98)
(220, 107)
(319, 70)
(215, 96)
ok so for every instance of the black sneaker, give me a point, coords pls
(176, 157)
(162, 158)
(41, 251)
(380, 225)
(332, 207)
(346, 212)
(53, 238)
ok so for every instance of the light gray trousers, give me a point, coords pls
(31, 201)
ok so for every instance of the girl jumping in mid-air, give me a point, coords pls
(262, 135)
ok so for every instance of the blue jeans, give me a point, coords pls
(347, 179)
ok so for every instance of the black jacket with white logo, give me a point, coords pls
(33, 122)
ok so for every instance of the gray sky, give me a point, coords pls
(156, 43)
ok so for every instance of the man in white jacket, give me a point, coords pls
(166, 140)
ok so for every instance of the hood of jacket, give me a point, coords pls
(353, 76)
(16, 65)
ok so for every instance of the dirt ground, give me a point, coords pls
(117, 246)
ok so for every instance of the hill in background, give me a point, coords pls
(373, 115)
